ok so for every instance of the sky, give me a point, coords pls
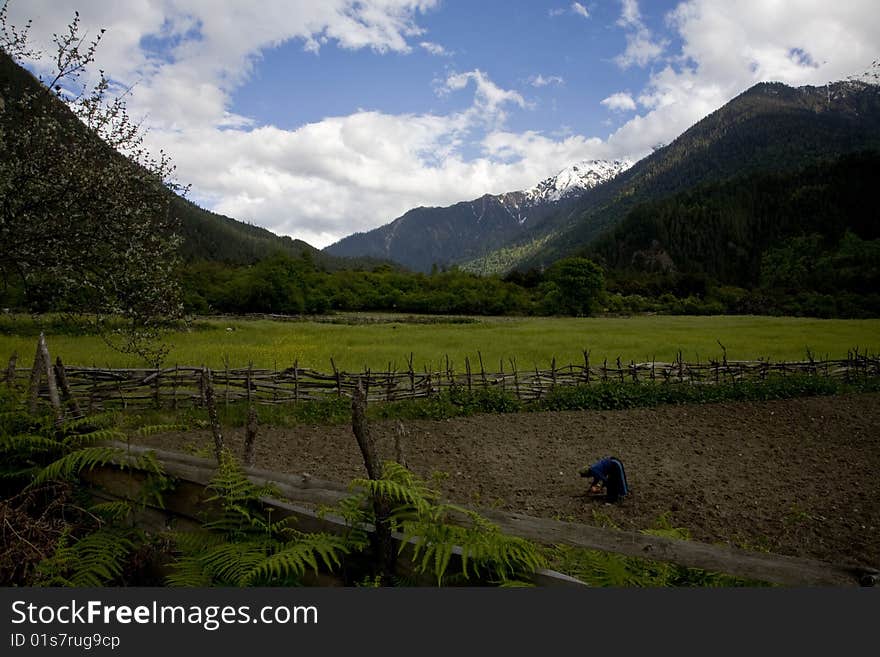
(320, 118)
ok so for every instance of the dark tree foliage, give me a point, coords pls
(804, 242)
(574, 286)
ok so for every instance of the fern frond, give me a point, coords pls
(93, 561)
(294, 558)
(394, 491)
(147, 462)
(112, 511)
(98, 421)
(78, 440)
(196, 542)
(230, 563)
(188, 572)
(75, 462)
(22, 444)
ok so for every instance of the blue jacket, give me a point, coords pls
(608, 467)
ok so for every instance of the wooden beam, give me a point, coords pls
(773, 568)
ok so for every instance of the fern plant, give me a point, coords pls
(96, 559)
(435, 531)
(38, 459)
(240, 544)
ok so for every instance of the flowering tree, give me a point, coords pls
(85, 221)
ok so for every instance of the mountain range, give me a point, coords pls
(607, 209)
(425, 237)
(770, 128)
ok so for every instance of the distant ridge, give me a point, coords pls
(424, 237)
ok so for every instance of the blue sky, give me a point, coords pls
(320, 118)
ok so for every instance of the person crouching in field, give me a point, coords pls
(609, 473)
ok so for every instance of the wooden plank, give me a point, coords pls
(777, 569)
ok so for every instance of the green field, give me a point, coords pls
(532, 341)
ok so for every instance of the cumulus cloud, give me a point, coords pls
(728, 47)
(620, 102)
(323, 180)
(641, 47)
(187, 56)
(545, 81)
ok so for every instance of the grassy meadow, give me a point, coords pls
(532, 341)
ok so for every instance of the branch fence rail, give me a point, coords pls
(179, 386)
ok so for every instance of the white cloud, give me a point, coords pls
(620, 101)
(435, 49)
(209, 47)
(489, 97)
(641, 47)
(728, 47)
(579, 9)
(326, 179)
(542, 81)
(630, 16)
(557, 11)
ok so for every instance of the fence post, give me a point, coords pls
(54, 399)
(34, 386)
(586, 366)
(412, 375)
(296, 381)
(157, 390)
(93, 389)
(338, 380)
(515, 377)
(226, 387)
(553, 371)
(389, 390)
(482, 370)
(65, 388)
(467, 369)
(45, 366)
(10, 370)
(119, 390)
(382, 541)
(174, 387)
(214, 419)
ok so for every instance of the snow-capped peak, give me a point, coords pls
(575, 180)
(870, 75)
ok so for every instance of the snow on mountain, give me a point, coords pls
(575, 180)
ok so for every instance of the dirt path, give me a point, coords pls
(798, 477)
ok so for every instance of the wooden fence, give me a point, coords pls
(178, 386)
